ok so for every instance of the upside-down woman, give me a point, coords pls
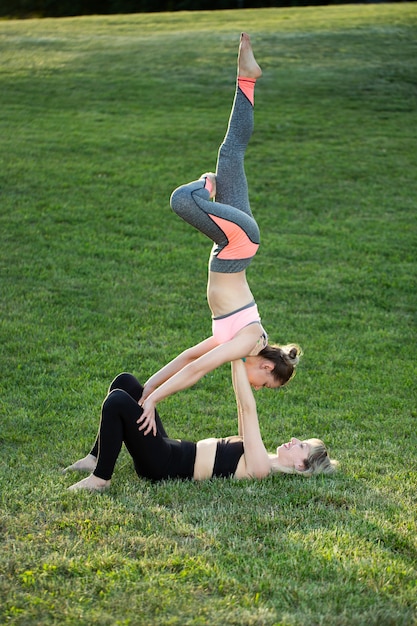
(218, 206)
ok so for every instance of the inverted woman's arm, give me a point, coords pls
(237, 348)
(187, 356)
(257, 459)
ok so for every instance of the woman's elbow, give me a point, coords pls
(195, 371)
(188, 356)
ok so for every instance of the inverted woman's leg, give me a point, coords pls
(191, 202)
(231, 182)
(228, 221)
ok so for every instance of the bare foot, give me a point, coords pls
(212, 179)
(91, 483)
(247, 67)
(87, 464)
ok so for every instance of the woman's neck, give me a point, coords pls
(277, 467)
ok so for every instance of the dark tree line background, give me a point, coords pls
(66, 8)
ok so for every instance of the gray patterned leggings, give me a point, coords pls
(228, 221)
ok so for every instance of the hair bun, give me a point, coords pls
(292, 354)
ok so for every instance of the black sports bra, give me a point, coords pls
(228, 455)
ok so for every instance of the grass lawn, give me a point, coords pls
(100, 118)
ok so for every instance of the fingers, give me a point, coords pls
(147, 424)
(144, 421)
(147, 418)
(143, 397)
(148, 427)
(147, 412)
(151, 428)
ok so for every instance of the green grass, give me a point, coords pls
(100, 118)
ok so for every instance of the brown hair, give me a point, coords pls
(284, 358)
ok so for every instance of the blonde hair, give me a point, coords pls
(318, 460)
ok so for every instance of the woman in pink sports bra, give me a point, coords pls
(218, 206)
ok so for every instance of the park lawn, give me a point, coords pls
(100, 118)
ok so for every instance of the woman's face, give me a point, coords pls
(293, 453)
(260, 374)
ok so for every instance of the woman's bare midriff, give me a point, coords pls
(227, 292)
(206, 455)
(204, 458)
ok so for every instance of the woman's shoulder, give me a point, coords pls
(262, 341)
(233, 439)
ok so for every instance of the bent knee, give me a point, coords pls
(180, 200)
(122, 381)
(186, 198)
(117, 398)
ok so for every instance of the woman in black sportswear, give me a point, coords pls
(159, 457)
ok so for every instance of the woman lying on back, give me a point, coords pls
(159, 457)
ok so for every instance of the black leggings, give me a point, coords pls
(130, 384)
(154, 457)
